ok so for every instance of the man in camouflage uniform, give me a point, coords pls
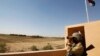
(75, 46)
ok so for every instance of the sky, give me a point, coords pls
(44, 17)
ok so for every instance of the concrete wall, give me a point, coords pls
(92, 33)
(92, 36)
(61, 52)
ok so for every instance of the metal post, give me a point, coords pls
(87, 15)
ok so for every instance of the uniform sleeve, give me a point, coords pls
(78, 49)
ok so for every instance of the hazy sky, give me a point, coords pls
(43, 17)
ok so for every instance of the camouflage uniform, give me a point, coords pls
(76, 49)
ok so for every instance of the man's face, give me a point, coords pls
(70, 40)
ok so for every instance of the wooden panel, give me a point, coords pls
(73, 29)
(46, 53)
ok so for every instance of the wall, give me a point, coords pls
(92, 36)
(92, 32)
(61, 52)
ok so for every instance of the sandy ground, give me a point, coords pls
(19, 44)
(27, 46)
